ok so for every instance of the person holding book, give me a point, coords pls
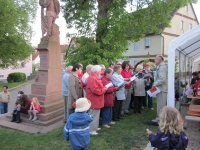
(109, 98)
(126, 74)
(119, 82)
(161, 82)
(95, 93)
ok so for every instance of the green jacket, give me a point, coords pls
(161, 77)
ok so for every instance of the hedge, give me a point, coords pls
(16, 77)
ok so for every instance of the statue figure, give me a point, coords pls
(48, 18)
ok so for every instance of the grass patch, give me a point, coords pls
(11, 85)
(128, 134)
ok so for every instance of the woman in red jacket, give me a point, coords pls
(109, 97)
(95, 93)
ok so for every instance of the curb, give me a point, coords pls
(31, 81)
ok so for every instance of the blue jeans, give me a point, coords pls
(3, 108)
(106, 115)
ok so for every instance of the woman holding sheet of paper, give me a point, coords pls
(109, 98)
(139, 90)
(126, 74)
(118, 81)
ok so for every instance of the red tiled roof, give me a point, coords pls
(63, 48)
(34, 55)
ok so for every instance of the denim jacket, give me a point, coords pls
(118, 81)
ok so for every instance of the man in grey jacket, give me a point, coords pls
(160, 81)
(65, 90)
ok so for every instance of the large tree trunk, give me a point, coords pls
(102, 19)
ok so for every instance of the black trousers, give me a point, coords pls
(138, 103)
(117, 109)
(16, 117)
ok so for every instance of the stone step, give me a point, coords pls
(192, 118)
(53, 106)
(39, 122)
(19, 127)
(44, 116)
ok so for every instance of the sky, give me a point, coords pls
(63, 29)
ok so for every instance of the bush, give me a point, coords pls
(16, 77)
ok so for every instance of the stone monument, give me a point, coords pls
(47, 86)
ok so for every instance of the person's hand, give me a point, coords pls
(149, 132)
(117, 88)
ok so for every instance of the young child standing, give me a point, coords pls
(34, 109)
(77, 129)
(170, 136)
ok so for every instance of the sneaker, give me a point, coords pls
(152, 109)
(35, 118)
(93, 133)
(106, 126)
(30, 118)
(112, 122)
(98, 129)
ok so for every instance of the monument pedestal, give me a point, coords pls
(47, 87)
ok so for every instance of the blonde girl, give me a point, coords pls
(34, 109)
(170, 136)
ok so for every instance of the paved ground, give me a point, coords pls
(24, 126)
(25, 88)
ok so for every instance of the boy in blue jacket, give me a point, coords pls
(77, 130)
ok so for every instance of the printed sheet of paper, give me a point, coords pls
(133, 78)
(148, 75)
(153, 91)
(109, 85)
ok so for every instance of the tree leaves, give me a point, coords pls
(15, 31)
(106, 26)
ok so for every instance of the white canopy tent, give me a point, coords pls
(187, 48)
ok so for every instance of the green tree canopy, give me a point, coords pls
(16, 17)
(105, 26)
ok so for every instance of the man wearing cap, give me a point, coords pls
(160, 81)
(77, 129)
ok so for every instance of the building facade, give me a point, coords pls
(182, 21)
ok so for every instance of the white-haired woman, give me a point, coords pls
(139, 90)
(85, 77)
(95, 93)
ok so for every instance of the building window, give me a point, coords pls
(182, 24)
(1, 76)
(147, 42)
(186, 8)
(136, 46)
(190, 26)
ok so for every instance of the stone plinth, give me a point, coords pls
(47, 87)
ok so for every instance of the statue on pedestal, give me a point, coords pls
(48, 18)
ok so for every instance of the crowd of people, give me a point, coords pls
(112, 102)
(108, 94)
(22, 105)
(185, 89)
